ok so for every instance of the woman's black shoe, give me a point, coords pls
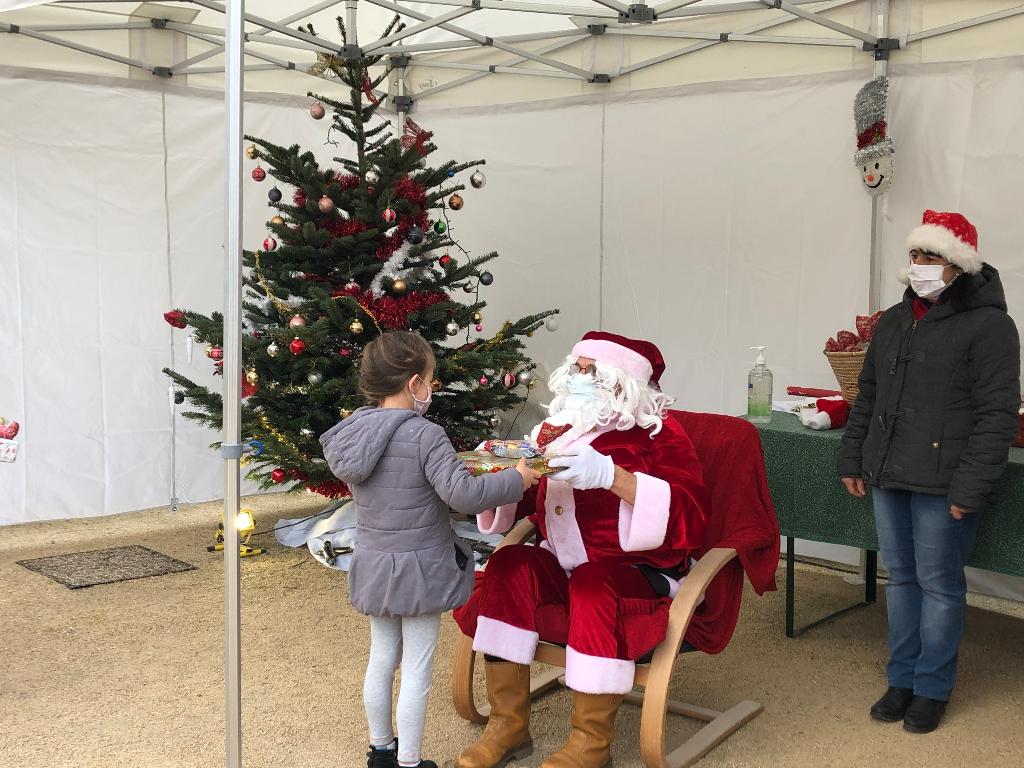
(893, 705)
(924, 715)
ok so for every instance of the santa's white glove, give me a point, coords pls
(586, 470)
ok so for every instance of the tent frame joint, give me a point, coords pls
(638, 13)
(158, 23)
(600, 78)
(402, 103)
(883, 47)
(351, 51)
(400, 61)
(597, 29)
(13, 29)
(165, 72)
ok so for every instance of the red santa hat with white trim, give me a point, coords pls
(949, 235)
(639, 359)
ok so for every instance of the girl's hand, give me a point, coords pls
(530, 477)
(855, 486)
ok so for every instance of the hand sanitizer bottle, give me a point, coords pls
(759, 391)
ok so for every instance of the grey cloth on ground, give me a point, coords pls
(408, 641)
(404, 476)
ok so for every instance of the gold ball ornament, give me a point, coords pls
(477, 317)
(252, 377)
(277, 220)
(435, 384)
(344, 413)
(455, 202)
(251, 152)
(399, 286)
(356, 327)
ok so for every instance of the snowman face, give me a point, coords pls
(877, 174)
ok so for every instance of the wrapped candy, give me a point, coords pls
(512, 449)
(482, 463)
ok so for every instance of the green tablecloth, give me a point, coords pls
(812, 504)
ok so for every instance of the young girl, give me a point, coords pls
(408, 567)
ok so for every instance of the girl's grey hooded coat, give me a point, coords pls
(404, 475)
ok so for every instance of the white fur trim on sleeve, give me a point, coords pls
(643, 524)
(496, 521)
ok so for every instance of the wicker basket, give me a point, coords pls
(847, 366)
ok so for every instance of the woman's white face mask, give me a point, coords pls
(926, 280)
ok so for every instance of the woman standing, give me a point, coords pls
(929, 435)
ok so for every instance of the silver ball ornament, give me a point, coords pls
(306, 432)
(526, 377)
(372, 177)
(494, 421)
(273, 349)
(477, 180)
(315, 378)
(452, 328)
(297, 321)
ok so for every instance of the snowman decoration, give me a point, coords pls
(874, 156)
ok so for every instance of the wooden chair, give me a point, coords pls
(651, 679)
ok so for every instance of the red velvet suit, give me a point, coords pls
(581, 587)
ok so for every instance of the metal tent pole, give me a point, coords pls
(881, 68)
(234, 78)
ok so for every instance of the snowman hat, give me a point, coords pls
(869, 118)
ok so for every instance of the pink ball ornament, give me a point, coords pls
(479, 328)
(270, 244)
(317, 111)
(326, 205)
(484, 381)
(352, 289)
(389, 216)
(509, 380)
(298, 321)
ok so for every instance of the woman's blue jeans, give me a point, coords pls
(924, 550)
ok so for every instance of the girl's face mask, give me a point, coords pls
(421, 406)
(926, 280)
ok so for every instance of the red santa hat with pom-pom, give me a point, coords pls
(949, 235)
(640, 359)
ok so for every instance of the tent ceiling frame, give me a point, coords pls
(606, 17)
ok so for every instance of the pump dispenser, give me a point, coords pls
(759, 391)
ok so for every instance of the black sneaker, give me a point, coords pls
(893, 705)
(383, 758)
(924, 715)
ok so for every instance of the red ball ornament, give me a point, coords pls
(484, 381)
(214, 353)
(317, 111)
(352, 288)
(479, 328)
(389, 216)
(298, 346)
(269, 244)
(326, 205)
(509, 380)
(258, 174)
(345, 352)
(445, 260)
(175, 318)
(278, 475)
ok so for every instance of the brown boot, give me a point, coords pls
(507, 735)
(593, 730)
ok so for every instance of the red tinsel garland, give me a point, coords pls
(393, 311)
(414, 137)
(332, 489)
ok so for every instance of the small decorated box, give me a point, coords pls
(8, 450)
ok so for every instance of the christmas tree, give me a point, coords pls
(357, 252)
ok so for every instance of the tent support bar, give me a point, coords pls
(324, 45)
(748, 31)
(215, 70)
(91, 27)
(673, 5)
(209, 34)
(756, 5)
(487, 40)
(527, 7)
(727, 37)
(492, 68)
(507, 65)
(967, 24)
(455, 44)
(415, 29)
(76, 47)
(814, 18)
(615, 5)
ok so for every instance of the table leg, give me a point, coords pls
(871, 577)
(790, 568)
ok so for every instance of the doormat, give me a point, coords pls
(76, 570)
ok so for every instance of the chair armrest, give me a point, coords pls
(697, 580)
(521, 531)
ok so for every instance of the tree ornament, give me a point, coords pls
(526, 377)
(451, 172)
(477, 180)
(345, 351)
(399, 286)
(344, 413)
(273, 349)
(179, 397)
(551, 323)
(175, 318)
(494, 421)
(468, 288)
(251, 152)
(415, 235)
(388, 215)
(440, 227)
(315, 378)
(372, 177)
(508, 380)
(452, 328)
(214, 353)
(297, 346)
(479, 329)
(307, 433)
(352, 288)
(455, 202)
(278, 475)
(277, 220)
(326, 205)
(274, 195)
(477, 317)
(317, 111)
(269, 244)
(356, 327)
(435, 384)
(486, 278)
(484, 381)
(297, 321)
(258, 174)
(445, 260)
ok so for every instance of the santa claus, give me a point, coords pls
(617, 525)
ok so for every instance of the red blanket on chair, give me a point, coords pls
(742, 518)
